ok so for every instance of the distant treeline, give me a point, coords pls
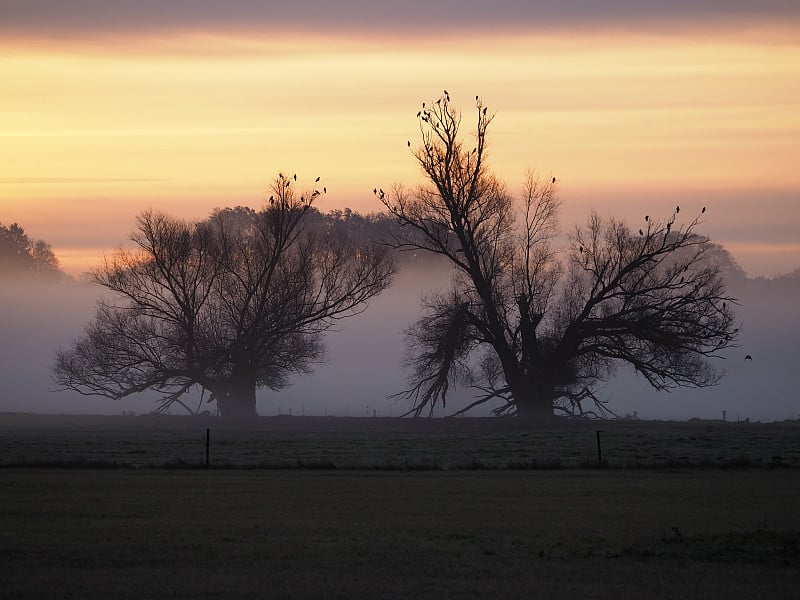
(379, 228)
(21, 255)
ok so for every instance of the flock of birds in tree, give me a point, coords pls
(282, 177)
(424, 114)
(668, 226)
(647, 217)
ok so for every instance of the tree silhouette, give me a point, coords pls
(20, 255)
(232, 304)
(534, 327)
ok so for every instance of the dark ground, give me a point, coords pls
(390, 508)
(157, 533)
(389, 443)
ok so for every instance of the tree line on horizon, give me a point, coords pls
(23, 256)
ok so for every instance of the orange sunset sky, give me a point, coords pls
(109, 107)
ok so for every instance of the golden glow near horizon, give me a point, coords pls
(91, 134)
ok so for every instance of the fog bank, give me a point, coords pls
(364, 359)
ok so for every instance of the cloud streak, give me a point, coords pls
(44, 18)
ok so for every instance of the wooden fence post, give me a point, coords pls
(208, 447)
(599, 450)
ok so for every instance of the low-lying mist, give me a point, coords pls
(364, 359)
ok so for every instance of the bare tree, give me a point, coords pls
(232, 304)
(533, 327)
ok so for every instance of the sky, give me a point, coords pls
(111, 107)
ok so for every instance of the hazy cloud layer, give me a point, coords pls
(102, 17)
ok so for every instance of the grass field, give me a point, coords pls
(177, 533)
(386, 443)
(396, 508)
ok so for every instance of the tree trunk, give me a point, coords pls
(538, 411)
(534, 402)
(238, 401)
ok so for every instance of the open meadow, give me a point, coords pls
(389, 443)
(177, 533)
(120, 507)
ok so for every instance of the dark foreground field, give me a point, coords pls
(178, 533)
(119, 507)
